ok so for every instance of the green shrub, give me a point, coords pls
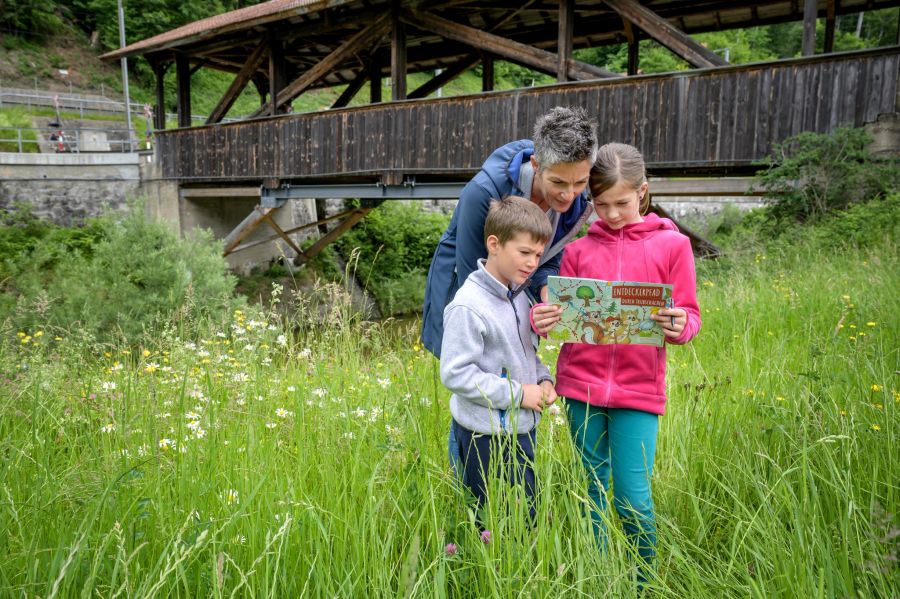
(112, 278)
(812, 174)
(395, 242)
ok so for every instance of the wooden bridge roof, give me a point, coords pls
(311, 30)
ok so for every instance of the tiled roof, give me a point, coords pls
(274, 10)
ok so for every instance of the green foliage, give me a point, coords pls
(811, 174)
(396, 242)
(10, 120)
(114, 279)
(30, 19)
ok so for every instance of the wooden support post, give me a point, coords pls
(354, 217)
(277, 75)
(830, 10)
(398, 58)
(511, 50)
(183, 78)
(666, 34)
(487, 73)
(364, 38)
(159, 71)
(238, 84)
(447, 74)
(809, 27)
(374, 81)
(632, 34)
(564, 39)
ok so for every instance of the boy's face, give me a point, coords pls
(514, 261)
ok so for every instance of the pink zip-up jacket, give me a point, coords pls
(628, 376)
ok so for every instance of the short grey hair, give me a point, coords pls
(565, 134)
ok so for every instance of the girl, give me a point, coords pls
(616, 393)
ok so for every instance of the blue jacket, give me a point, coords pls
(462, 244)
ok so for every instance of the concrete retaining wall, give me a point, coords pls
(68, 188)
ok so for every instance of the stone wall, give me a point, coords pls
(68, 188)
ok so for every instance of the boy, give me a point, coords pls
(488, 360)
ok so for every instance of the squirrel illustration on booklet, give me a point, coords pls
(608, 312)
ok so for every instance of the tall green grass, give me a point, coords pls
(307, 457)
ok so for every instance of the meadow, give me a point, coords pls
(305, 455)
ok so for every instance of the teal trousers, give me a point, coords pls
(619, 444)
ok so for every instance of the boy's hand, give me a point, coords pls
(538, 397)
(544, 317)
(532, 397)
(550, 395)
(672, 321)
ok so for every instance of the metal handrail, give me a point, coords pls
(60, 139)
(83, 104)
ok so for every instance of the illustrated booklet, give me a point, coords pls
(607, 312)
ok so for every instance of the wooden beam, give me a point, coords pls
(509, 49)
(665, 33)
(487, 73)
(183, 78)
(280, 232)
(830, 11)
(277, 71)
(564, 39)
(238, 84)
(159, 71)
(352, 88)
(809, 27)
(374, 80)
(447, 74)
(359, 41)
(251, 244)
(354, 217)
(632, 34)
(398, 58)
(245, 227)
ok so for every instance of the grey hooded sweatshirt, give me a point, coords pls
(487, 354)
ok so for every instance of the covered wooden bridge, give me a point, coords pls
(716, 119)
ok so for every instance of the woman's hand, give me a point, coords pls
(672, 321)
(544, 317)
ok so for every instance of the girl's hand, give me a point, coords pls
(549, 393)
(544, 317)
(672, 321)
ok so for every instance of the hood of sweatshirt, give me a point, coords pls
(600, 231)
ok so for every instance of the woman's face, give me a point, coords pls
(620, 205)
(558, 185)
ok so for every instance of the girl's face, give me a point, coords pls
(620, 205)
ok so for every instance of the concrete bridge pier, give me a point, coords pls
(221, 210)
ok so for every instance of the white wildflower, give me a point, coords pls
(108, 428)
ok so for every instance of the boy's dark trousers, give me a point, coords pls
(480, 452)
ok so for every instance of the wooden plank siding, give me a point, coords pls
(714, 120)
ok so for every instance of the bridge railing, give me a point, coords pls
(74, 140)
(717, 121)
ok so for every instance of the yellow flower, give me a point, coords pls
(876, 388)
(877, 406)
(896, 395)
(26, 339)
(780, 398)
(851, 338)
(871, 324)
(749, 392)
(845, 297)
(876, 428)
(146, 353)
(843, 413)
(39, 334)
(20, 334)
(852, 326)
